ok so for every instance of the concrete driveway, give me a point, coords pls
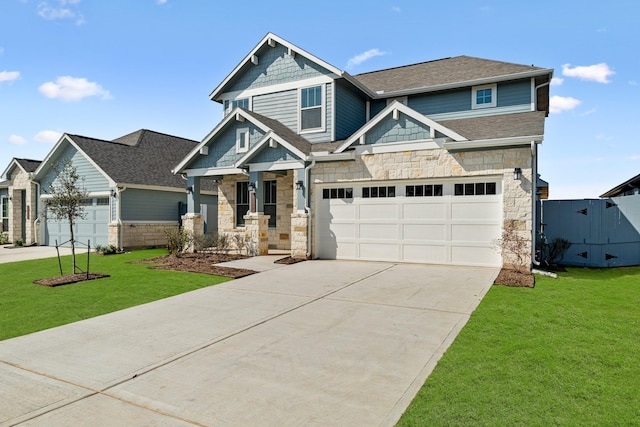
(314, 343)
(23, 253)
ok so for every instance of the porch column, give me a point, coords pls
(193, 221)
(299, 218)
(256, 222)
(256, 197)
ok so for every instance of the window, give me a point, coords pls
(475, 189)
(5, 213)
(242, 140)
(103, 201)
(378, 192)
(231, 104)
(311, 108)
(337, 193)
(242, 202)
(270, 201)
(484, 96)
(429, 190)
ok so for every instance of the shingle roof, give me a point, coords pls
(283, 131)
(4, 184)
(28, 165)
(143, 157)
(439, 72)
(499, 126)
(619, 190)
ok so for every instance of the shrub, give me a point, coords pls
(514, 243)
(106, 250)
(552, 253)
(205, 243)
(224, 243)
(4, 239)
(178, 240)
(18, 242)
(241, 241)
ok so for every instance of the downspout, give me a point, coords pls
(307, 178)
(534, 189)
(120, 225)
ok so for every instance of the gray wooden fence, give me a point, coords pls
(602, 232)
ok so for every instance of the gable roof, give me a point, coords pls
(27, 165)
(499, 126)
(441, 73)
(620, 189)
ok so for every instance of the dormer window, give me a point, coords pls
(242, 140)
(484, 96)
(311, 109)
(231, 104)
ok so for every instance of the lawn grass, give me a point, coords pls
(566, 352)
(26, 307)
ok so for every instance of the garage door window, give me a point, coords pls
(430, 190)
(337, 193)
(380, 192)
(475, 189)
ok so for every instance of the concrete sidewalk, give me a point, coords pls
(318, 342)
(24, 253)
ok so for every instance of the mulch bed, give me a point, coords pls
(200, 263)
(511, 277)
(69, 279)
(289, 260)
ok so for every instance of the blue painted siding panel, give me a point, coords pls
(4, 192)
(268, 154)
(147, 205)
(404, 129)
(351, 112)
(222, 148)
(275, 66)
(441, 102)
(92, 179)
(514, 93)
(376, 106)
(280, 106)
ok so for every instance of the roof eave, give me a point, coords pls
(493, 143)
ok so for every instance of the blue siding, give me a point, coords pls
(92, 179)
(376, 106)
(4, 192)
(404, 129)
(148, 205)
(351, 112)
(280, 106)
(222, 148)
(275, 66)
(268, 154)
(514, 93)
(441, 102)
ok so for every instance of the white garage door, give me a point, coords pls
(414, 221)
(93, 228)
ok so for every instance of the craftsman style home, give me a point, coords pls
(420, 163)
(132, 196)
(19, 201)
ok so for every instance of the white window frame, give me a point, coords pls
(227, 104)
(323, 105)
(494, 96)
(239, 133)
(4, 203)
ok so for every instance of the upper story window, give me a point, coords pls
(484, 96)
(231, 104)
(242, 140)
(311, 109)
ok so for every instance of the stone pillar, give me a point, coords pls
(257, 227)
(114, 235)
(193, 223)
(299, 237)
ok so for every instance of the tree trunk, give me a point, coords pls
(73, 245)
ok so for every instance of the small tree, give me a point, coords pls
(67, 194)
(514, 243)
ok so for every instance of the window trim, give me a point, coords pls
(4, 204)
(228, 104)
(323, 114)
(494, 96)
(239, 132)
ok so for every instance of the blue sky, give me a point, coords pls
(106, 68)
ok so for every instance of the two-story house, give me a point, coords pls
(420, 163)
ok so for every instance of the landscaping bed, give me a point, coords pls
(511, 277)
(200, 263)
(69, 279)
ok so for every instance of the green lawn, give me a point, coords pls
(26, 307)
(564, 353)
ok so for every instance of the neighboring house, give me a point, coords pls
(132, 195)
(627, 188)
(19, 201)
(420, 163)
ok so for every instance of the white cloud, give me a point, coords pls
(558, 104)
(161, 2)
(69, 88)
(633, 83)
(595, 73)
(48, 136)
(9, 76)
(361, 57)
(60, 11)
(557, 81)
(635, 157)
(16, 140)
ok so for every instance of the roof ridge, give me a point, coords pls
(407, 65)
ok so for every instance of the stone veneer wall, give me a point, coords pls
(280, 237)
(21, 182)
(140, 235)
(439, 163)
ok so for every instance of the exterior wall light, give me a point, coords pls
(252, 187)
(517, 174)
(299, 185)
(189, 189)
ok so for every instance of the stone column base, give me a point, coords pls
(193, 223)
(114, 235)
(299, 237)
(257, 226)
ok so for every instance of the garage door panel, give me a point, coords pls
(424, 232)
(474, 232)
(475, 211)
(379, 250)
(92, 228)
(424, 210)
(343, 229)
(436, 254)
(379, 231)
(378, 211)
(473, 255)
(340, 211)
